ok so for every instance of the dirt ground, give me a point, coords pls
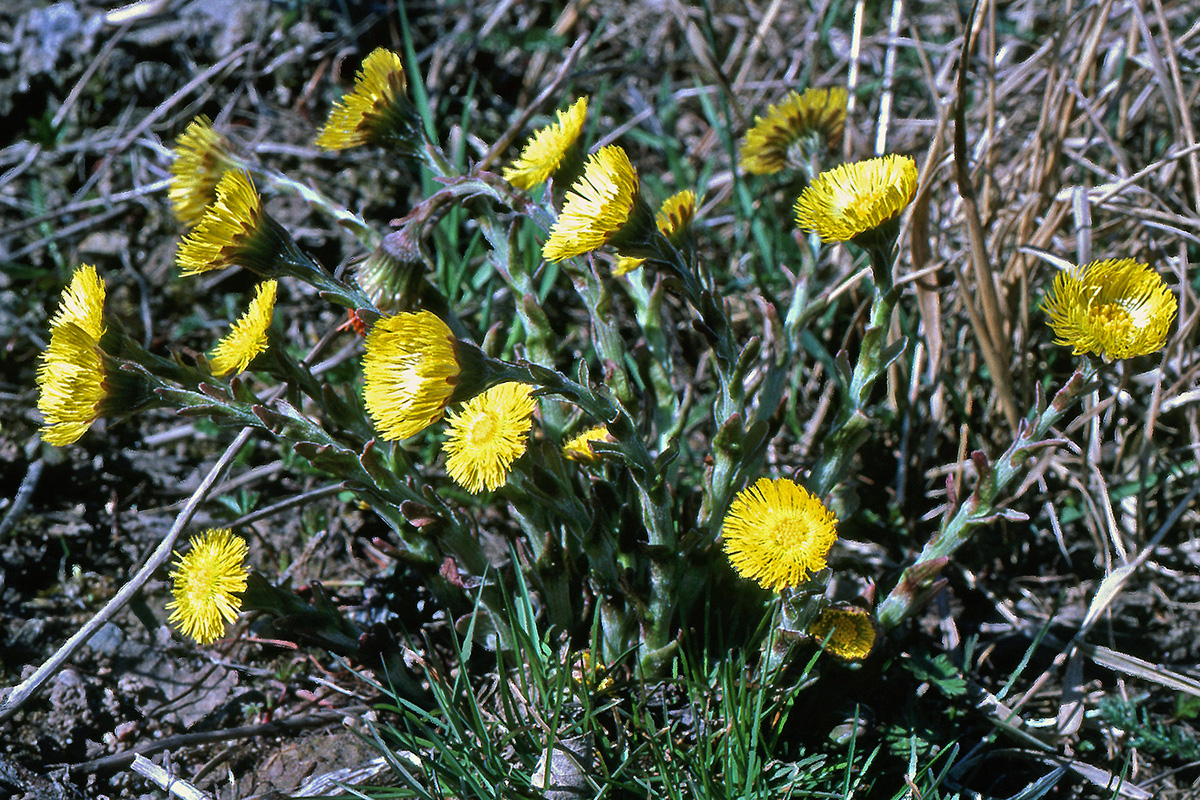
(93, 99)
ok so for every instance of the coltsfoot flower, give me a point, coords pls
(1117, 308)
(852, 200)
(208, 582)
(233, 231)
(778, 534)
(601, 206)
(377, 111)
(488, 435)
(72, 375)
(248, 337)
(818, 113)
(579, 447)
(851, 632)
(672, 221)
(202, 156)
(410, 370)
(546, 149)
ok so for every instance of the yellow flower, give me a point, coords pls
(201, 158)
(231, 230)
(1115, 309)
(207, 583)
(851, 632)
(580, 449)
(599, 205)
(851, 200)
(71, 377)
(544, 152)
(817, 112)
(376, 111)
(248, 337)
(777, 533)
(488, 435)
(409, 372)
(672, 220)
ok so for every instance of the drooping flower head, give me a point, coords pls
(202, 156)
(410, 370)
(847, 632)
(818, 115)
(234, 231)
(71, 376)
(248, 336)
(777, 533)
(603, 206)
(672, 221)
(208, 581)
(579, 447)
(488, 435)
(377, 111)
(546, 150)
(1117, 308)
(854, 201)
(391, 275)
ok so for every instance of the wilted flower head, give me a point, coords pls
(848, 632)
(71, 377)
(1117, 308)
(207, 582)
(672, 220)
(601, 206)
(579, 447)
(248, 337)
(410, 370)
(777, 533)
(391, 275)
(378, 111)
(201, 157)
(546, 150)
(853, 200)
(488, 435)
(819, 114)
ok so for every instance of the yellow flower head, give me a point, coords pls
(248, 337)
(599, 206)
(855, 199)
(777, 533)
(377, 111)
(1114, 309)
(409, 372)
(71, 377)
(848, 632)
(819, 113)
(545, 151)
(201, 157)
(207, 583)
(579, 448)
(672, 220)
(231, 232)
(488, 435)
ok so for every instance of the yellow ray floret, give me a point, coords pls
(848, 633)
(488, 435)
(853, 199)
(248, 337)
(227, 229)
(370, 112)
(598, 205)
(409, 372)
(201, 158)
(579, 447)
(544, 152)
(821, 112)
(208, 582)
(777, 533)
(1117, 308)
(71, 376)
